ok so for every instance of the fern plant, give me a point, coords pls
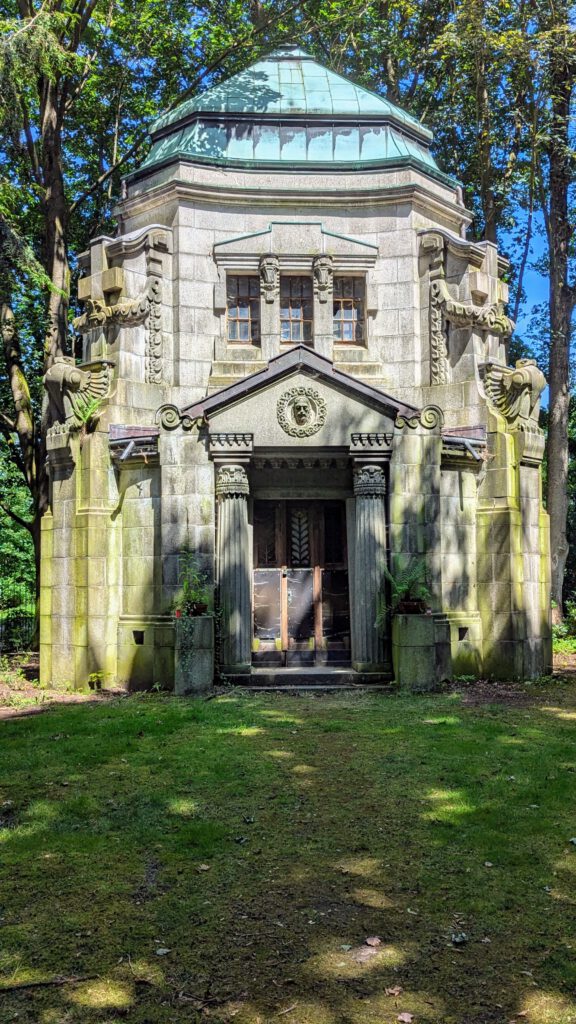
(408, 586)
(195, 593)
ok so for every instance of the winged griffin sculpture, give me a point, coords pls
(515, 393)
(74, 391)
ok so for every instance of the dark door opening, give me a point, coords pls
(301, 602)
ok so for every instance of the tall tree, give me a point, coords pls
(82, 79)
(557, 180)
(80, 82)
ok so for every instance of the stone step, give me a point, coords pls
(309, 679)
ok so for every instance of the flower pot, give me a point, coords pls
(191, 610)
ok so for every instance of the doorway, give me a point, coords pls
(301, 598)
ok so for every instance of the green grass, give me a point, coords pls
(262, 839)
(564, 645)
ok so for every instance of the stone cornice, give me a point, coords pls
(155, 235)
(381, 195)
(473, 252)
(250, 263)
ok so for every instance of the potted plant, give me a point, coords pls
(409, 592)
(195, 593)
(420, 641)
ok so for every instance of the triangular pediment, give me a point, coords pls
(295, 238)
(299, 398)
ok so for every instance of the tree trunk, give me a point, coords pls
(562, 75)
(30, 456)
(55, 219)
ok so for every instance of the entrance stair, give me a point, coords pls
(310, 679)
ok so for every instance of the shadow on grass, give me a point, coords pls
(184, 861)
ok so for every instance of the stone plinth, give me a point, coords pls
(193, 654)
(420, 651)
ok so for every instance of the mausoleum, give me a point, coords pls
(294, 366)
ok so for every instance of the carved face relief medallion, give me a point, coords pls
(301, 411)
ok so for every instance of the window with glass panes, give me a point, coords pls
(296, 310)
(349, 321)
(243, 308)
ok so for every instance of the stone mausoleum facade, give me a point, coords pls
(294, 364)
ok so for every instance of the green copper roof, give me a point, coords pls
(289, 110)
(290, 81)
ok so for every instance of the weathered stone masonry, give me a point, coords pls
(294, 365)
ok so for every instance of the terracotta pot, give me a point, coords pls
(198, 608)
(191, 610)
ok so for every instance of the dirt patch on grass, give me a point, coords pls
(28, 700)
(21, 694)
(560, 687)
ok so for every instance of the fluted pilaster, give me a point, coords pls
(234, 567)
(370, 559)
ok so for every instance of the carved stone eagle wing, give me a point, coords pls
(515, 393)
(75, 391)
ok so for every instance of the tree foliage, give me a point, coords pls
(82, 80)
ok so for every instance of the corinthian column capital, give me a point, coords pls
(232, 482)
(369, 481)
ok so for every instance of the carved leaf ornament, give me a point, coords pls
(301, 411)
(299, 537)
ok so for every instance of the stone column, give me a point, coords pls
(234, 567)
(370, 559)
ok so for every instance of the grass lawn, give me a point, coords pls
(166, 860)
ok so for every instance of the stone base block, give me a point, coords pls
(194, 655)
(421, 652)
(145, 652)
(466, 643)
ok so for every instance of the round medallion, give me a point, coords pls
(301, 411)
